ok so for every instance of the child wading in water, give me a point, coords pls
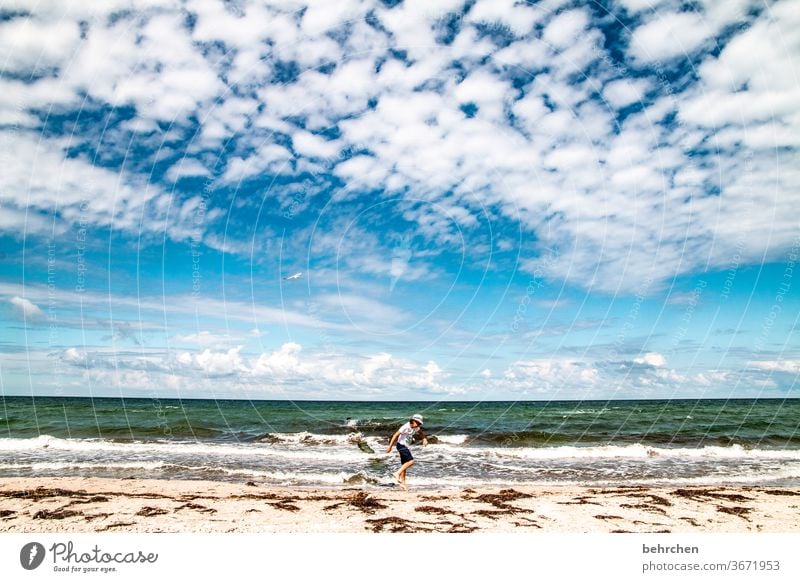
(403, 437)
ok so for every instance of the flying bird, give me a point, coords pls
(295, 276)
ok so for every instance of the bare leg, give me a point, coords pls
(401, 474)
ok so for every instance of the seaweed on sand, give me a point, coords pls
(705, 494)
(60, 513)
(148, 511)
(197, 507)
(361, 501)
(502, 497)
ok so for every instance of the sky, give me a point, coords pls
(484, 200)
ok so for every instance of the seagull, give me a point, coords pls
(295, 276)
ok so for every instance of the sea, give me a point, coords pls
(343, 444)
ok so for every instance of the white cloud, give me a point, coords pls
(518, 17)
(216, 22)
(636, 6)
(187, 167)
(378, 371)
(269, 158)
(16, 220)
(624, 92)
(788, 366)
(26, 307)
(651, 359)
(547, 374)
(149, 63)
(17, 98)
(563, 30)
(286, 366)
(321, 16)
(314, 146)
(611, 199)
(670, 35)
(74, 357)
(215, 363)
(28, 44)
(42, 177)
(280, 363)
(365, 310)
(486, 91)
(240, 311)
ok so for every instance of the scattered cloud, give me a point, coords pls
(670, 35)
(369, 94)
(545, 374)
(787, 366)
(34, 45)
(651, 359)
(611, 159)
(623, 92)
(286, 366)
(26, 308)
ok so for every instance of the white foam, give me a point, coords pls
(148, 465)
(641, 451)
(452, 439)
(747, 478)
(311, 438)
(277, 477)
(588, 411)
(310, 446)
(46, 442)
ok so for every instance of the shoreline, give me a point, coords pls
(92, 504)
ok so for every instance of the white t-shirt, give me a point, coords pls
(407, 434)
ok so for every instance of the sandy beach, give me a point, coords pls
(97, 505)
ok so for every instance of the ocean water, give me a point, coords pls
(339, 444)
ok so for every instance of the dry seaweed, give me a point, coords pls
(148, 511)
(365, 503)
(118, 524)
(502, 497)
(737, 511)
(393, 524)
(705, 494)
(530, 523)
(579, 501)
(643, 507)
(654, 499)
(196, 507)
(56, 514)
(432, 510)
(605, 517)
(780, 492)
(286, 505)
(42, 493)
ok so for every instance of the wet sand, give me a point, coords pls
(73, 504)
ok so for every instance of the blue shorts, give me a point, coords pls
(405, 454)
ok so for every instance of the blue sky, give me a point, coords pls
(486, 199)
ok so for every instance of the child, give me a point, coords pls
(403, 437)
